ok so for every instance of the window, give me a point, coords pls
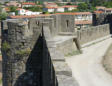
(67, 23)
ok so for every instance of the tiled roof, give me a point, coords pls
(51, 7)
(108, 8)
(19, 8)
(76, 13)
(7, 9)
(51, 4)
(28, 3)
(100, 7)
(28, 16)
(98, 12)
(68, 6)
(83, 22)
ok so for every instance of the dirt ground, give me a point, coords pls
(107, 60)
(87, 67)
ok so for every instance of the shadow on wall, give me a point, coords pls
(108, 19)
(103, 19)
(32, 76)
(39, 68)
(0, 66)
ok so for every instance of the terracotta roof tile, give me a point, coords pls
(7, 9)
(108, 8)
(67, 6)
(83, 22)
(76, 13)
(28, 3)
(28, 16)
(98, 12)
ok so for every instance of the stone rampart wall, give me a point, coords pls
(93, 33)
(29, 59)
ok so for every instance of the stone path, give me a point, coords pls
(87, 68)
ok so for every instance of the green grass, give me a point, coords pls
(77, 52)
(0, 81)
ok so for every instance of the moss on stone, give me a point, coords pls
(23, 52)
(76, 52)
(6, 46)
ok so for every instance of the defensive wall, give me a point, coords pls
(92, 33)
(103, 18)
(30, 56)
(33, 49)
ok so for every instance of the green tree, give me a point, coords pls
(68, 4)
(40, 2)
(0, 9)
(13, 9)
(108, 4)
(97, 2)
(34, 9)
(3, 16)
(82, 7)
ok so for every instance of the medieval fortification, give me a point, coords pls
(33, 49)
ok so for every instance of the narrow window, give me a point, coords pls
(67, 23)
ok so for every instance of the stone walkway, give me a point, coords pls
(87, 68)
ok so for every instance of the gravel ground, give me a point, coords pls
(87, 68)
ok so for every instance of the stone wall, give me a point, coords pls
(29, 56)
(18, 46)
(62, 71)
(64, 23)
(93, 33)
(67, 46)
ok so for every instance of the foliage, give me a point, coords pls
(3, 16)
(101, 3)
(75, 10)
(6, 2)
(45, 12)
(59, 4)
(23, 52)
(40, 3)
(68, 4)
(83, 7)
(16, 12)
(6, 46)
(97, 2)
(1, 81)
(108, 4)
(12, 8)
(0, 9)
(34, 8)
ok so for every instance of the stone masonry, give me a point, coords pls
(30, 57)
(33, 49)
